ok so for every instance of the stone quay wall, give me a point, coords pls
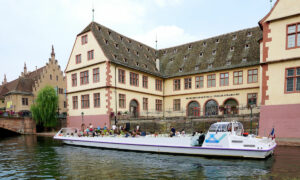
(18, 125)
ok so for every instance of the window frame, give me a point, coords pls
(199, 82)
(74, 79)
(75, 102)
(24, 101)
(224, 78)
(238, 77)
(78, 59)
(84, 39)
(96, 74)
(83, 77)
(296, 33)
(122, 105)
(134, 77)
(121, 76)
(256, 94)
(295, 76)
(208, 80)
(158, 84)
(176, 86)
(83, 101)
(158, 105)
(188, 83)
(145, 81)
(145, 104)
(176, 105)
(252, 76)
(97, 102)
(90, 55)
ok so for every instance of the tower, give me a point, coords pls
(52, 54)
(5, 80)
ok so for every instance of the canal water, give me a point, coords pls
(34, 157)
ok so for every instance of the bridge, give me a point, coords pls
(18, 125)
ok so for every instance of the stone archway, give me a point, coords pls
(193, 109)
(211, 108)
(231, 106)
(134, 108)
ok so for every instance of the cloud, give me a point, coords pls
(167, 36)
(164, 3)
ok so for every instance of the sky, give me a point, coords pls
(30, 27)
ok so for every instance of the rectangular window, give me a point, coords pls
(134, 79)
(84, 77)
(122, 76)
(187, 83)
(252, 76)
(85, 101)
(158, 85)
(292, 80)
(25, 101)
(96, 99)
(74, 80)
(211, 80)
(158, 105)
(224, 79)
(199, 82)
(78, 58)
(65, 104)
(90, 55)
(122, 100)
(293, 36)
(84, 39)
(176, 104)
(238, 77)
(145, 81)
(251, 98)
(176, 84)
(96, 77)
(75, 102)
(145, 103)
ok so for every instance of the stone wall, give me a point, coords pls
(19, 125)
(163, 125)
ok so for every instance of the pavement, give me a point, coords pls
(288, 141)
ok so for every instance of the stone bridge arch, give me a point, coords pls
(18, 125)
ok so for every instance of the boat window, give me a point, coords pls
(213, 128)
(222, 128)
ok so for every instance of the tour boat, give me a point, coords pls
(224, 139)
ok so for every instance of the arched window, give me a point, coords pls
(231, 106)
(193, 109)
(134, 108)
(211, 108)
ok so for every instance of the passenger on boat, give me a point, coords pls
(105, 127)
(172, 132)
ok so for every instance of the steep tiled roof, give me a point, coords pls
(23, 84)
(232, 50)
(123, 50)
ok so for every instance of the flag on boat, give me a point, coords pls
(272, 134)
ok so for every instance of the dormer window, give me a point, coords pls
(128, 50)
(137, 64)
(115, 56)
(117, 46)
(146, 66)
(201, 54)
(231, 48)
(244, 60)
(172, 59)
(249, 34)
(185, 57)
(180, 69)
(209, 66)
(190, 47)
(148, 49)
(217, 40)
(214, 52)
(125, 60)
(137, 53)
(247, 46)
(109, 32)
(129, 41)
(147, 56)
(121, 38)
(106, 42)
(234, 37)
(228, 62)
(141, 46)
(196, 68)
(164, 53)
(175, 50)
(204, 44)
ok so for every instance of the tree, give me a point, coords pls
(45, 107)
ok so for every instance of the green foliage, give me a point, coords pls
(45, 107)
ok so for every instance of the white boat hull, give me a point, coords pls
(164, 145)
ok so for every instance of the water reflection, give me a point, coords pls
(40, 157)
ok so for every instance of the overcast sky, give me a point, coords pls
(30, 27)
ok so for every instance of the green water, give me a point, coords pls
(32, 157)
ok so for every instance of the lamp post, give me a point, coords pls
(82, 125)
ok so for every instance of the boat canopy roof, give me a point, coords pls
(226, 127)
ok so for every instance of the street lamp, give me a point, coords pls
(82, 125)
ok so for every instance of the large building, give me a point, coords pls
(280, 69)
(109, 73)
(18, 95)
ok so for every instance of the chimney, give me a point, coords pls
(52, 54)
(25, 69)
(5, 80)
(157, 64)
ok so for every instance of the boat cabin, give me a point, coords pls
(233, 127)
